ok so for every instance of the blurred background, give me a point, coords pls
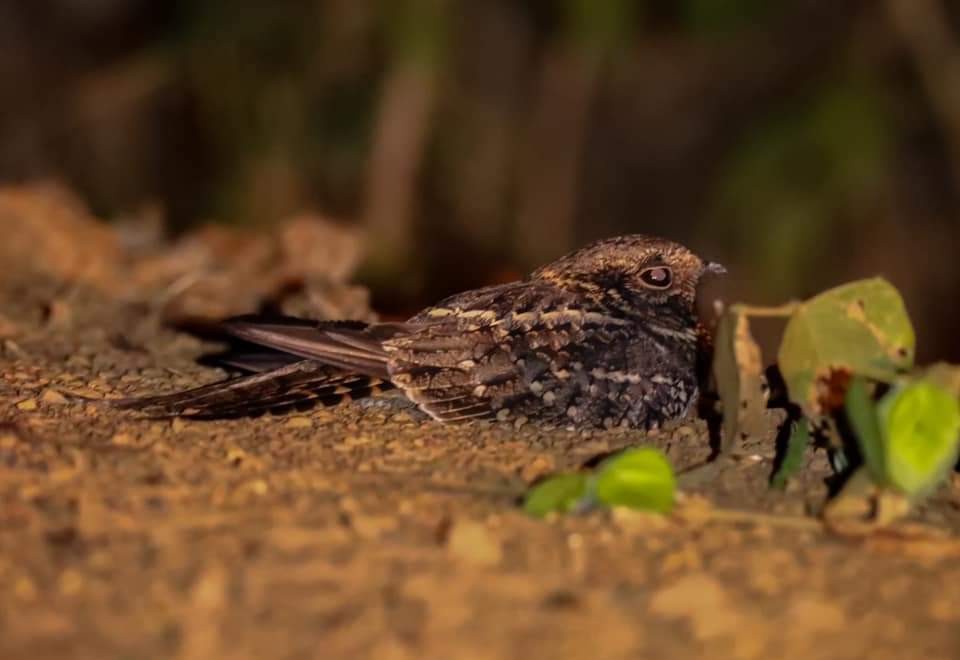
(801, 142)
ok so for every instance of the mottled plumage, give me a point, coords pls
(603, 337)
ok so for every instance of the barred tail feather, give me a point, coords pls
(299, 385)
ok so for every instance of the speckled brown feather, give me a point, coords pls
(587, 340)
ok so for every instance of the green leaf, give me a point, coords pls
(862, 415)
(793, 459)
(860, 328)
(637, 478)
(561, 493)
(920, 423)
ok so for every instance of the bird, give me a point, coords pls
(603, 337)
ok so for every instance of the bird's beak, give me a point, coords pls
(714, 268)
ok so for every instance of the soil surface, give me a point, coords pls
(365, 531)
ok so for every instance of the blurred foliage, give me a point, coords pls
(602, 28)
(418, 30)
(799, 141)
(722, 17)
(283, 123)
(819, 161)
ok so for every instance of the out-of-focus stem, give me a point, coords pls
(551, 171)
(402, 130)
(572, 70)
(924, 28)
(399, 140)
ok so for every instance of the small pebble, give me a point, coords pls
(473, 543)
(122, 439)
(259, 487)
(53, 397)
(538, 467)
(236, 455)
(299, 423)
(373, 527)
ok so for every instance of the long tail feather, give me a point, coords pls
(303, 383)
(347, 346)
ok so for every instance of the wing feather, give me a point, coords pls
(348, 348)
(304, 382)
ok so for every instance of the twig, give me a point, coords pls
(804, 523)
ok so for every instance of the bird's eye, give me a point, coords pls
(658, 277)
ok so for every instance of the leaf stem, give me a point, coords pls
(759, 311)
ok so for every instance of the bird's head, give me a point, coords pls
(637, 268)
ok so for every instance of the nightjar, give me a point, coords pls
(605, 336)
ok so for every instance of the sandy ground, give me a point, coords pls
(363, 531)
